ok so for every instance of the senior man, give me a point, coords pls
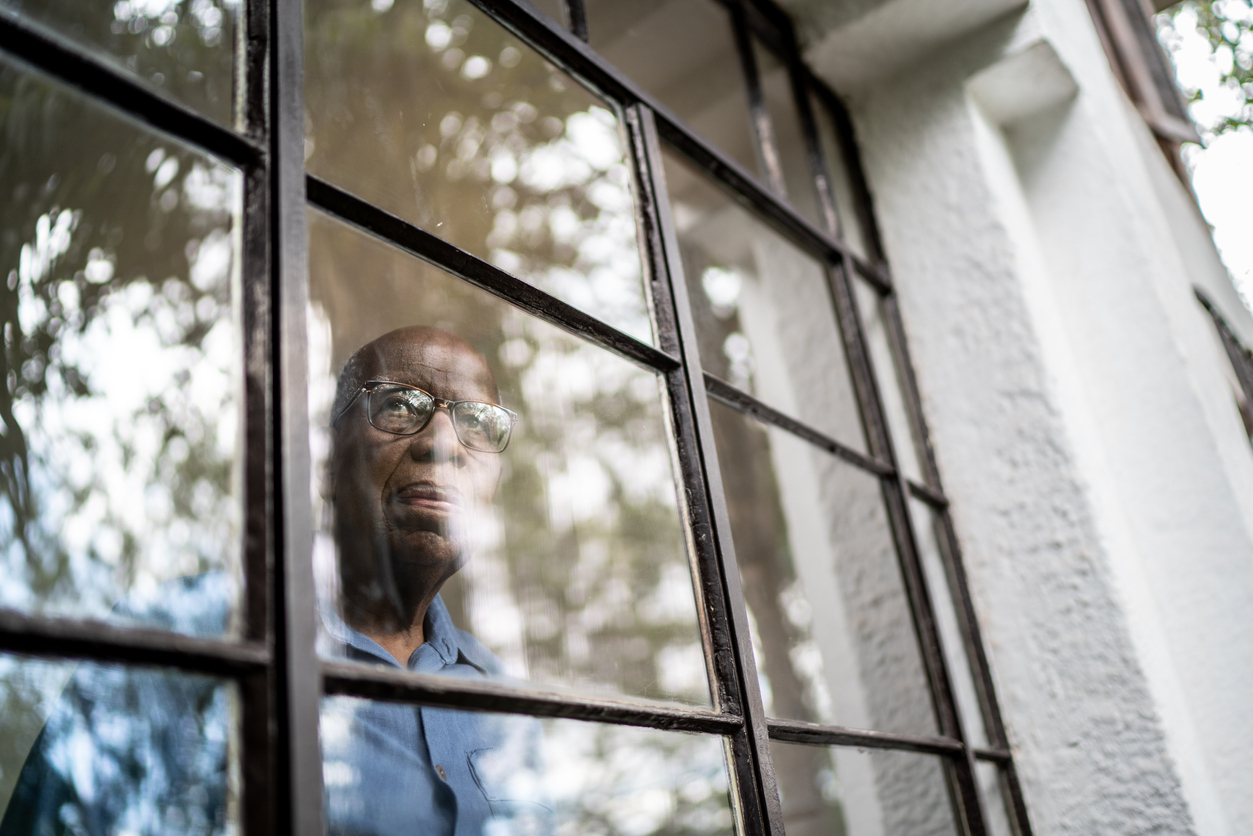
(417, 436)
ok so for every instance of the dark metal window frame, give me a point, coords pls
(1241, 360)
(274, 663)
(1129, 38)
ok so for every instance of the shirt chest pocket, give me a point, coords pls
(513, 785)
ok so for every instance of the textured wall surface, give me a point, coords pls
(1102, 484)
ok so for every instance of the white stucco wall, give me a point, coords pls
(1102, 483)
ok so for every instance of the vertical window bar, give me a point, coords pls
(255, 302)
(258, 807)
(963, 788)
(861, 191)
(296, 679)
(257, 704)
(763, 132)
(813, 149)
(1018, 815)
(951, 555)
(909, 387)
(758, 796)
(576, 16)
(712, 605)
(250, 115)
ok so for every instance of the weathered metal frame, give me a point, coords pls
(274, 664)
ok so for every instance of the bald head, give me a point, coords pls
(414, 347)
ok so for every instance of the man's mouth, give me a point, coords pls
(426, 495)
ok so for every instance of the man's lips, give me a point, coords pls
(429, 496)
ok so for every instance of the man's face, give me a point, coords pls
(409, 503)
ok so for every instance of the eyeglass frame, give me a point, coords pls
(369, 386)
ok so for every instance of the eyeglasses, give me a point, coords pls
(405, 410)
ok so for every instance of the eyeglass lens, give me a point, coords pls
(401, 410)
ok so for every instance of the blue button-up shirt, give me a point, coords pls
(400, 769)
(128, 750)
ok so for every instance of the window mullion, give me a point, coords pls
(576, 15)
(758, 797)
(296, 682)
(960, 770)
(759, 113)
(813, 149)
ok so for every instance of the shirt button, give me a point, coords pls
(442, 773)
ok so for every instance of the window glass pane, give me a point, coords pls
(860, 792)
(798, 174)
(92, 748)
(851, 231)
(185, 48)
(764, 316)
(926, 532)
(438, 115)
(887, 375)
(119, 459)
(388, 767)
(552, 8)
(994, 809)
(832, 631)
(683, 53)
(573, 560)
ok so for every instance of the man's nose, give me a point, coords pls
(438, 441)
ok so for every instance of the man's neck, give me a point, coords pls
(400, 643)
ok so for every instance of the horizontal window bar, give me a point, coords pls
(578, 58)
(417, 241)
(927, 494)
(78, 68)
(997, 755)
(35, 635)
(746, 189)
(744, 402)
(381, 683)
(794, 731)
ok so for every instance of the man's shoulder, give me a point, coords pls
(194, 605)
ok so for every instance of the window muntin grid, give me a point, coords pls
(286, 680)
(469, 133)
(578, 572)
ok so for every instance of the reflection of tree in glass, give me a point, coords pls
(587, 582)
(184, 47)
(116, 438)
(440, 116)
(616, 781)
(123, 751)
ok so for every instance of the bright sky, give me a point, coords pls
(1222, 174)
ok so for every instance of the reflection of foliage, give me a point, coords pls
(1227, 28)
(587, 582)
(123, 751)
(184, 47)
(440, 116)
(615, 781)
(117, 252)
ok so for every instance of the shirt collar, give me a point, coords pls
(438, 633)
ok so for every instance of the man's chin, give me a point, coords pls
(428, 553)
